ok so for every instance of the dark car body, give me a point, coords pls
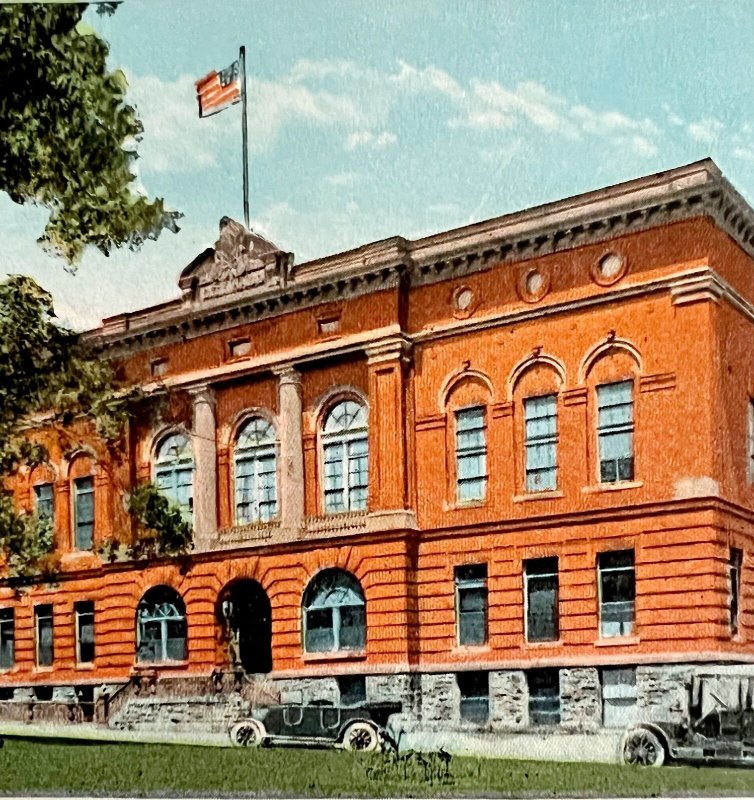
(319, 724)
(724, 736)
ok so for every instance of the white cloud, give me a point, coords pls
(744, 153)
(705, 130)
(372, 141)
(343, 179)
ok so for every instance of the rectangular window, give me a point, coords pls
(615, 431)
(734, 572)
(544, 696)
(619, 709)
(7, 638)
(84, 615)
(43, 500)
(238, 348)
(43, 635)
(471, 455)
(353, 690)
(540, 442)
(158, 367)
(83, 513)
(541, 581)
(475, 696)
(750, 441)
(617, 591)
(471, 604)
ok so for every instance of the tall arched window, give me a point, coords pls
(256, 472)
(345, 452)
(334, 613)
(174, 471)
(161, 626)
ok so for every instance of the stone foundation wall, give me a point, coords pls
(509, 700)
(211, 713)
(580, 699)
(662, 692)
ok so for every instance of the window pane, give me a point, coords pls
(352, 627)
(176, 639)
(44, 633)
(475, 696)
(319, 630)
(617, 592)
(544, 697)
(7, 637)
(43, 494)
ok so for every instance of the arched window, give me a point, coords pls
(334, 613)
(345, 451)
(174, 471)
(161, 626)
(256, 472)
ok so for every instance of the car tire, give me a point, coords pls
(361, 737)
(642, 747)
(250, 733)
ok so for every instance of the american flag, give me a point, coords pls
(218, 90)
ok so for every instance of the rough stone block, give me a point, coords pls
(580, 699)
(509, 700)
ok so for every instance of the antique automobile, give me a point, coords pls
(719, 728)
(359, 727)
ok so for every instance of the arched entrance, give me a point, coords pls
(246, 618)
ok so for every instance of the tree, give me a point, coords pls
(67, 136)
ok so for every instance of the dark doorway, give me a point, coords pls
(245, 614)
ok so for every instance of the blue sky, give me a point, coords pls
(373, 119)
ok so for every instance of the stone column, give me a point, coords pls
(290, 409)
(204, 442)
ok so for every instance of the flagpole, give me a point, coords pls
(245, 132)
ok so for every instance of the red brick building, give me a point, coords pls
(504, 474)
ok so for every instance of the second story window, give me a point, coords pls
(83, 513)
(615, 431)
(617, 592)
(541, 587)
(471, 455)
(44, 635)
(174, 471)
(734, 574)
(471, 604)
(541, 438)
(7, 638)
(43, 501)
(256, 472)
(83, 613)
(345, 455)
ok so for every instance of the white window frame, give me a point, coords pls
(255, 454)
(735, 570)
(527, 578)
(8, 623)
(76, 495)
(347, 437)
(475, 450)
(463, 584)
(317, 603)
(605, 430)
(38, 617)
(37, 488)
(607, 570)
(183, 461)
(163, 613)
(534, 441)
(79, 614)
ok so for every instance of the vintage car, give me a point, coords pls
(359, 727)
(720, 736)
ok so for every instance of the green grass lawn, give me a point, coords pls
(38, 766)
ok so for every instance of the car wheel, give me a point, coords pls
(642, 747)
(361, 737)
(250, 733)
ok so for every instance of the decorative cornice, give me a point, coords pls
(691, 191)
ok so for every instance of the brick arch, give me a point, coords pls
(537, 374)
(80, 464)
(465, 381)
(229, 431)
(322, 406)
(619, 350)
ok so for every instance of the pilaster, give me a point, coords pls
(291, 473)
(204, 442)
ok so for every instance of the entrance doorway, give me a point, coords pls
(245, 614)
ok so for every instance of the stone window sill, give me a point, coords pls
(545, 644)
(43, 670)
(616, 641)
(145, 666)
(612, 487)
(336, 655)
(529, 496)
(464, 506)
(89, 665)
(470, 649)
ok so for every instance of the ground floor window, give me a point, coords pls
(617, 593)
(84, 614)
(161, 626)
(544, 696)
(475, 696)
(7, 638)
(353, 690)
(618, 697)
(43, 631)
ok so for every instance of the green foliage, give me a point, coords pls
(161, 528)
(67, 136)
(26, 543)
